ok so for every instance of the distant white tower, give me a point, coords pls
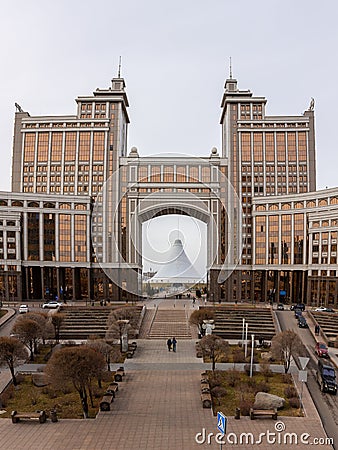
(178, 268)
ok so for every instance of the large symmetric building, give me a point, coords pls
(71, 227)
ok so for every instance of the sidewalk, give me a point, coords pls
(158, 407)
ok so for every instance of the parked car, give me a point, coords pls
(23, 309)
(326, 377)
(280, 307)
(51, 305)
(321, 350)
(302, 323)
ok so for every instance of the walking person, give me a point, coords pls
(169, 343)
(174, 342)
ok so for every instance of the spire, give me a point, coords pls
(119, 71)
(230, 83)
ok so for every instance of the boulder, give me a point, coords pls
(263, 400)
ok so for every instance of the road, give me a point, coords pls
(326, 404)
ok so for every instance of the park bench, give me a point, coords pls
(38, 415)
(206, 400)
(112, 389)
(263, 413)
(107, 399)
(119, 374)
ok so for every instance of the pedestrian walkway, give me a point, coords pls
(158, 407)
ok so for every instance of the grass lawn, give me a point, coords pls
(3, 312)
(27, 397)
(240, 391)
(236, 354)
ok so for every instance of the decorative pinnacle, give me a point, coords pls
(119, 72)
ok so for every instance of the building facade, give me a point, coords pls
(71, 227)
(295, 242)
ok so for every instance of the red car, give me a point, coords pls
(322, 350)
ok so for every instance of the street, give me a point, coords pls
(326, 404)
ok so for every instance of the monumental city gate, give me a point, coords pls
(146, 188)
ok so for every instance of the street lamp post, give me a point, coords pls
(252, 353)
(243, 328)
(246, 339)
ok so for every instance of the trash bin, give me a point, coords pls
(53, 415)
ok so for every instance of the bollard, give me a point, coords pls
(238, 413)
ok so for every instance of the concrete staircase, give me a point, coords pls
(169, 323)
(85, 322)
(229, 322)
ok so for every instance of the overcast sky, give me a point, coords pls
(175, 59)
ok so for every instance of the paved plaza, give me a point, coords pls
(158, 407)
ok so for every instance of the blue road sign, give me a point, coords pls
(221, 422)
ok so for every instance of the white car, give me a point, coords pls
(23, 309)
(320, 309)
(51, 305)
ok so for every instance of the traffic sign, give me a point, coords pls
(221, 422)
(302, 376)
(303, 362)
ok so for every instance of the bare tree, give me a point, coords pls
(122, 322)
(109, 352)
(12, 352)
(285, 345)
(57, 320)
(78, 365)
(197, 317)
(28, 332)
(214, 347)
(46, 329)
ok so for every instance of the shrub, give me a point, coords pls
(245, 405)
(52, 393)
(66, 389)
(232, 377)
(247, 369)
(20, 378)
(287, 378)
(238, 356)
(218, 392)
(250, 384)
(5, 397)
(290, 392)
(294, 402)
(262, 387)
(266, 370)
(215, 379)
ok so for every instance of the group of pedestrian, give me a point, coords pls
(171, 343)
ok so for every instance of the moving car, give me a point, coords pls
(321, 350)
(326, 377)
(280, 307)
(321, 309)
(299, 306)
(298, 313)
(302, 323)
(23, 309)
(51, 305)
